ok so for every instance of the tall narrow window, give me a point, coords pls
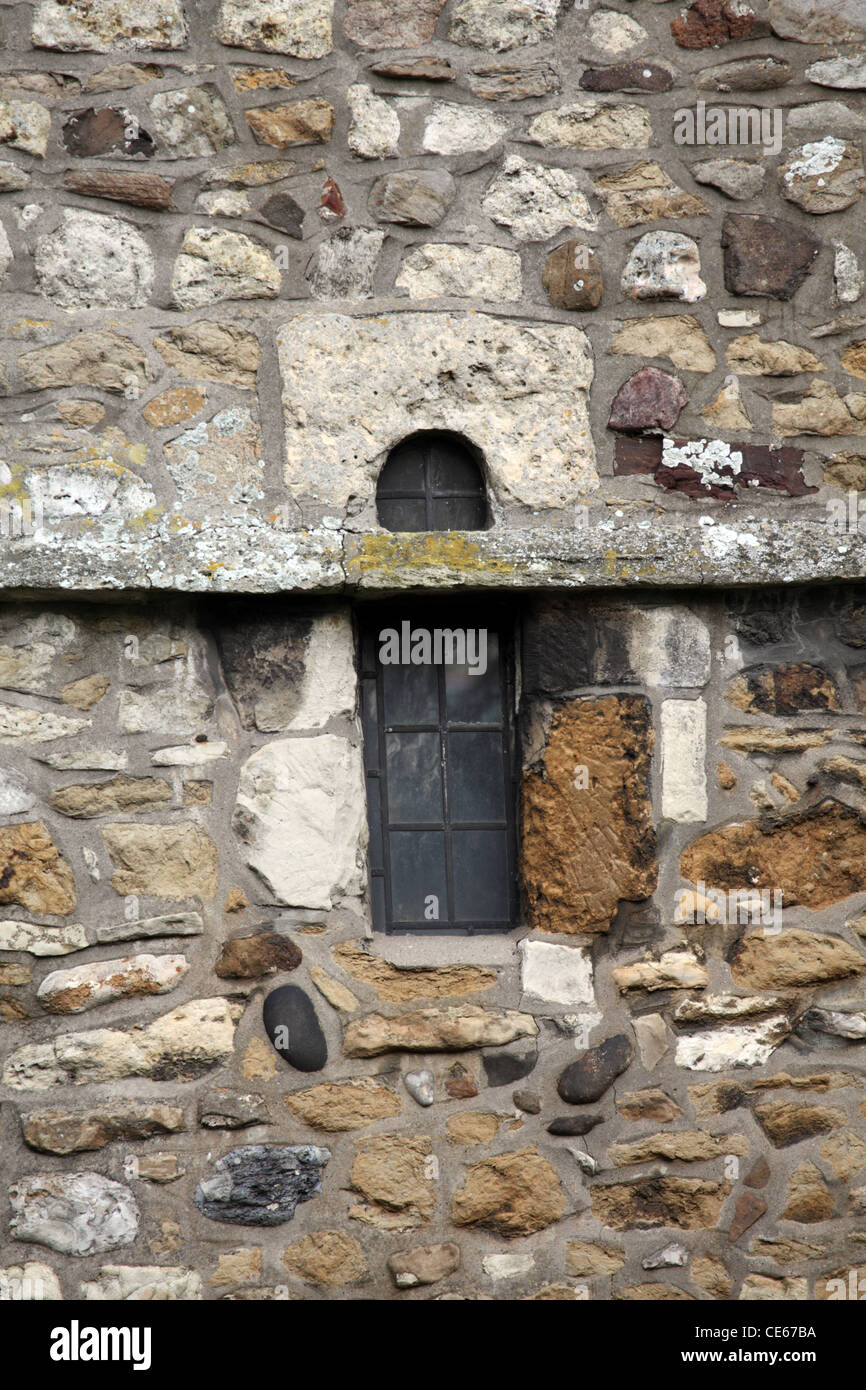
(431, 482)
(437, 706)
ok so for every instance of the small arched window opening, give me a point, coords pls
(431, 482)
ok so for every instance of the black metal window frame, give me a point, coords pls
(425, 441)
(371, 619)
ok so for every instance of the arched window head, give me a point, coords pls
(431, 482)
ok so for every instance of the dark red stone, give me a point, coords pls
(90, 132)
(710, 23)
(331, 201)
(573, 277)
(766, 255)
(778, 469)
(628, 77)
(650, 399)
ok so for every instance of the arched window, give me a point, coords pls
(431, 482)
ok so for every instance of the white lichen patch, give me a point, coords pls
(707, 457)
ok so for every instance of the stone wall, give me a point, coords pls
(246, 248)
(652, 1089)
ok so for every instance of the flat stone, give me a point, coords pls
(635, 77)
(761, 74)
(741, 1045)
(15, 795)
(711, 23)
(399, 984)
(648, 1105)
(74, 1213)
(678, 337)
(486, 273)
(261, 1185)
(225, 1109)
(452, 1029)
(649, 399)
(299, 28)
(33, 874)
(427, 69)
(664, 265)
(94, 262)
(173, 407)
(292, 123)
(223, 454)
(535, 201)
(425, 1264)
(255, 174)
(29, 1282)
(675, 969)
(215, 264)
(574, 1124)
(504, 1068)
(374, 127)
(210, 351)
(126, 794)
(137, 1283)
(557, 974)
(513, 81)
(336, 993)
(849, 278)
(300, 816)
(101, 982)
(291, 1024)
(344, 266)
(90, 133)
(671, 1256)
(251, 957)
(587, 1079)
(391, 23)
(586, 1260)
(513, 1194)
(614, 34)
(818, 21)
(12, 178)
(748, 1210)
(413, 197)
(172, 924)
(817, 115)
(823, 176)
(573, 276)
(281, 211)
(456, 128)
(191, 123)
(337, 1106)
(849, 1024)
(85, 693)
(287, 671)
(392, 1176)
(684, 1146)
(809, 1200)
(473, 1127)
(484, 23)
(592, 125)
(846, 73)
(327, 1259)
(811, 858)
(41, 940)
(794, 959)
(182, 1045)
(688, 1204)
(644, 192)
(820, 410)
(162, 861)
(103, 26)
(766, 255)
(25, 125)
(740, 179)
(572, 884)
(526, 410)
(750, 355)
(790, 1122)
(69, 1131)
(783, 690)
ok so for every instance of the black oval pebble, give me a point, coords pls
(587, 1079)
(574, 1124)
(291, 1024)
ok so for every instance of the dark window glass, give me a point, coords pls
(431, 482)
(438, 753)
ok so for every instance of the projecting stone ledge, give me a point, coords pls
(590, 548)
(436, 1030)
